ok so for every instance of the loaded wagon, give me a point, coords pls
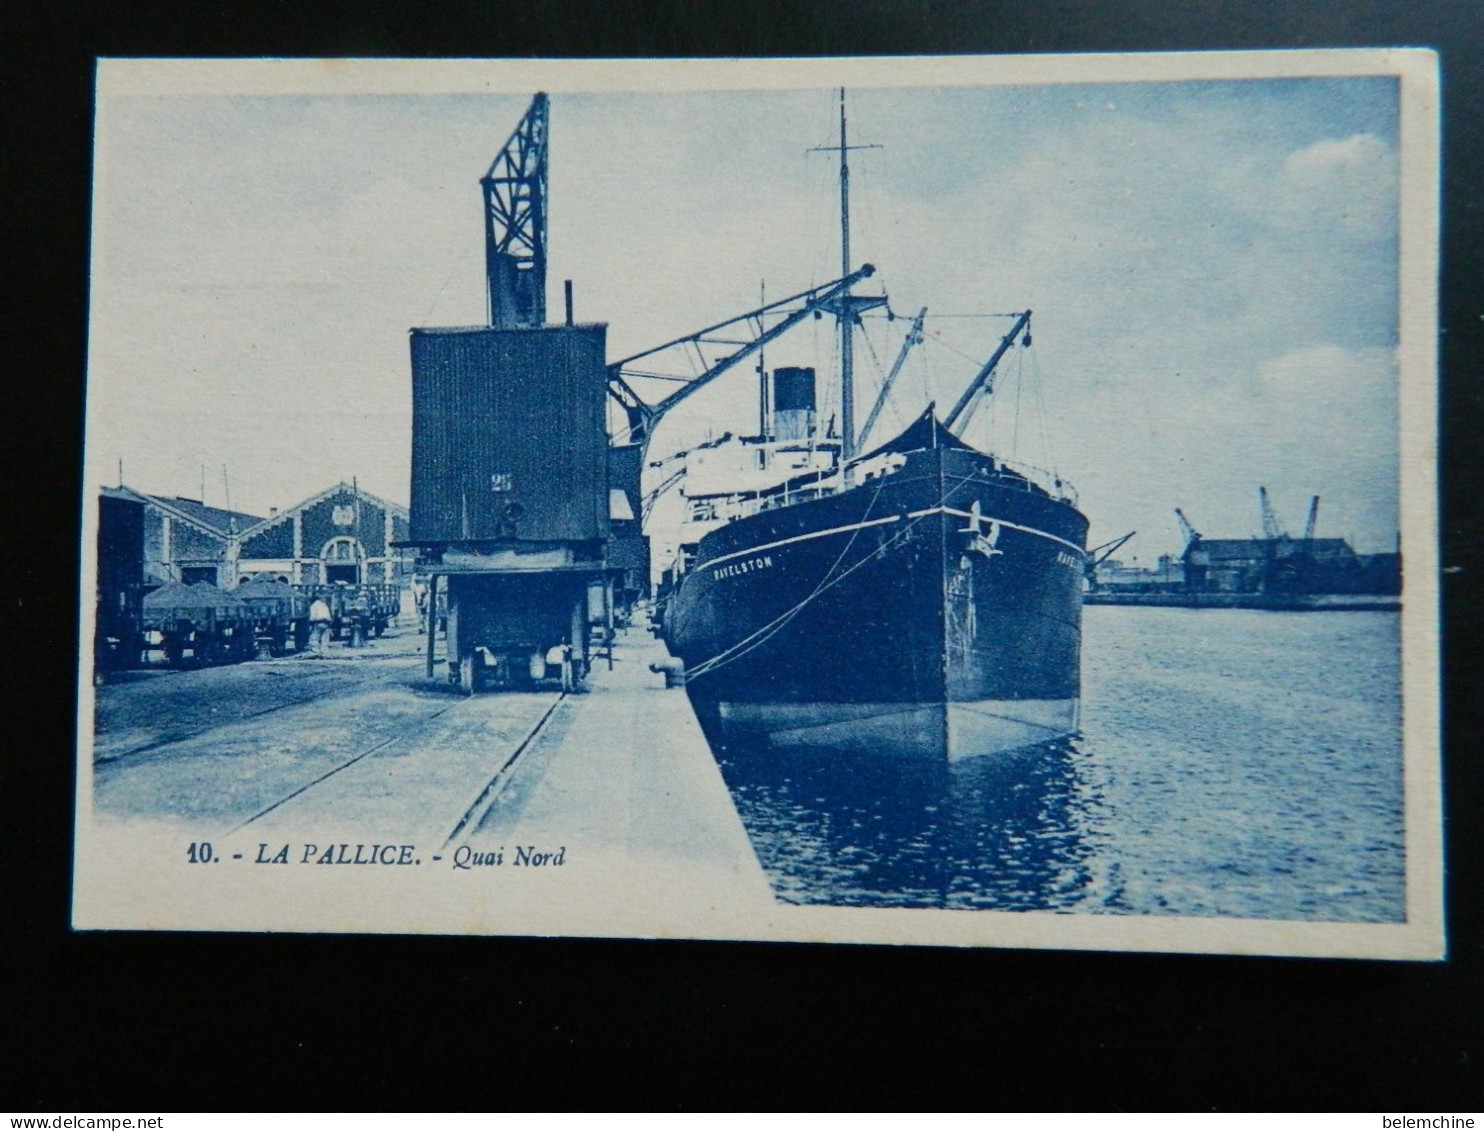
(280, 615)
(209, 624)
(136, 615)
(281, 621)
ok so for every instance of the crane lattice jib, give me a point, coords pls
(1313, 519)
(515, 223)
(1272, 529)
(643, 415)
(1190, 533)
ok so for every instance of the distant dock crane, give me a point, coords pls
(1272, 530)
(1313, 521)
(1189, 532)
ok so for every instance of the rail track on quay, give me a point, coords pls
(488, 793)
(369, 746)
(180, 698)
(491, 791)
(187, 735)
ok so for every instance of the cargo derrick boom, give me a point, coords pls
(914, 337)
(983, 383)
(1098, 555)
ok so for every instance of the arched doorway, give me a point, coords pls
(342, 560)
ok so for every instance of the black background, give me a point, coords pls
(150, 1022)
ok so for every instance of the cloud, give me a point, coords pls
(1333, 376)
(1340, 404)
(1349, 184)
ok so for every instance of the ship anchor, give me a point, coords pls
(978, 541)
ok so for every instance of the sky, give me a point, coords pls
(1212, 268)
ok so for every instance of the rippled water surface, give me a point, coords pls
(1229, 763)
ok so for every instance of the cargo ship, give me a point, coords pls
(922, 599)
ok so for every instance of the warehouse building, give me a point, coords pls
(185, 540)
(341, 534)
(1288, 565)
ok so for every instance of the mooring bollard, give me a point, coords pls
(672, 669)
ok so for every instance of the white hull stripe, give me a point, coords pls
(754, 550)
(1012, 525)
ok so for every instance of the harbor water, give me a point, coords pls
(1229, 763)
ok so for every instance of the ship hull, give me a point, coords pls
(932, 612)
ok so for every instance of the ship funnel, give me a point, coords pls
(793, 402)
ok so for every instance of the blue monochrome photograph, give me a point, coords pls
(974, 502)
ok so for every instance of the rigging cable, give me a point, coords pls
(458, 262)
(925, 375)
(976, 362)
(1019, 388)
(875, 361)
(986, 314)
(1049, 453)
(728, 655)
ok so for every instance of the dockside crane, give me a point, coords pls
(1187, 531)
(1271, 530)
(1312, 523)
(754, 335)
(914, 337)
(1195, 560)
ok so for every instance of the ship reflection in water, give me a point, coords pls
(833, 827)
(1229, 763)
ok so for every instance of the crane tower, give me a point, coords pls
(515, 224)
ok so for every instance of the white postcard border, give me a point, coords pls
(122, 882)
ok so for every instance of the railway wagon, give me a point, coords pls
(118, 640)
(210, 624)
(510, 506)
(281, 612)
(280, 615)
(357, 612)
(136, 615)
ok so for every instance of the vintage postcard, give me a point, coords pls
(961, 501)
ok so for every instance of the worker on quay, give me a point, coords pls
(420, 600)
(569, 673)
(319, 624)
(360, 615)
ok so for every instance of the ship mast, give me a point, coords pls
(847, 321)
(847, 306)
